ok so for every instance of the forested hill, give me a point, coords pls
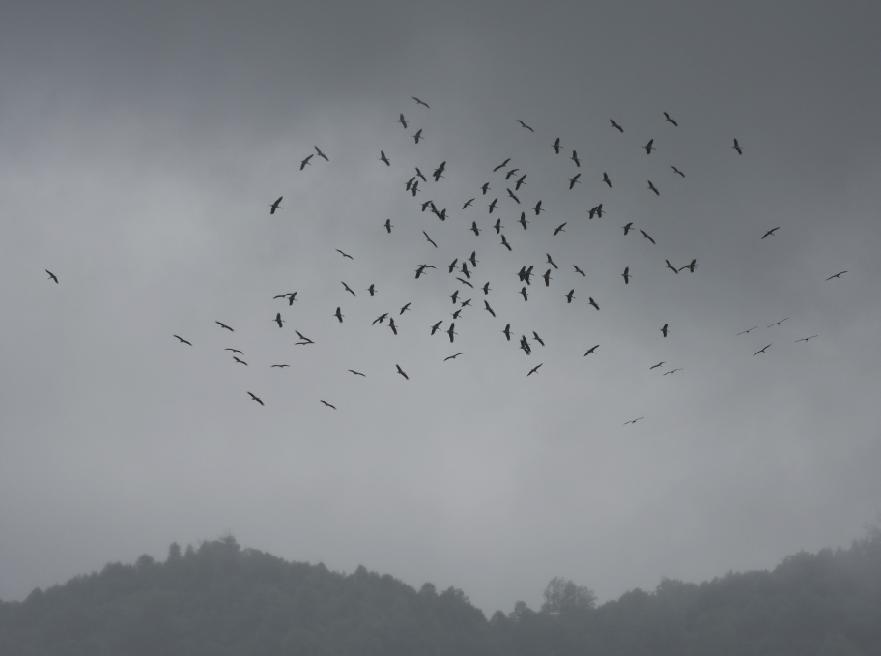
(222, 600)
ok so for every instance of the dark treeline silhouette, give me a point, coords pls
(222, 600)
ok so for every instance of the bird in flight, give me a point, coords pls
(593, 302)
(806, 339)
(239, 360)
(430, 240)
(607, 180)
(305, 161)
(278, 319)
(559, 228)
(538, 339)
(653, 188)
(402, 120)
(417, 135)
(383, 158)
(670, 119)
(556, 146)
(574, 158)
(690, 266)
(736, 147)
(401, 371)
(616, 125)
(497, 168)
(451, 332)
(655, 366)
(649, 147)
(182, 340)
(338, 314)
(291, 296)
(388, 226)
(421, 269)
(626, 275)
(321, 154)
(329, 405)
(534, 369)
(597, 210)
(573, 180)
(627, 228)
(232, 350)
(591, 350)
(647, 236)
(303, 339)
(633, 421)
(256, 398)
(506, 331)
(420, 102)
(777, 323)
(671, 267)
(770, 232)
(748, 330)
(223, 325)
(355, 372)
(664, 329)
(672, 371)
(489, 307)
(52, 276)
(525, 125)
(763, 349)
(837, 275)
(344, 254)
(677, 171)
(279, 366)
(275, 205)
(453, 356)
(347, 288)
(569, 296)
(578, 269)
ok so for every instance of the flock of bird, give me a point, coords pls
(511, 179)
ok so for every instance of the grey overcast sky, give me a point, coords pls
(142, 142)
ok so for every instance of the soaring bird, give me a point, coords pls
(672, 371)
(574, 158)
(417, 135)
(182, 340)
(524, 294)
(402, 120)
(347, 288)
(671, 267)
(591, 350)
(519, 182)
(473, 259)
(653, 188)
(547, 277)
(430, 240)
(404, 308)
(538, 339)
(303, 339)
(507, 331)
(677, 171)
(538, 208)
(344, 254)
(578, 269)
(626, 275)
(484, 188)
(573, 180)
(338, 314)
(748, 330)
(453, 356)
(736, 146)
(420, 102)
(239, 360)
(596, 210)
(256, 398)
(467, 203)
(770, 232)
(492, 205)
(569, 295)
(329, 405)
(512, 195)
(392, 326)
(664, 329)
(690, 266)
(523, 220)
(556, 145)
(232, 350)
(52, 276)
(837, 275)
(451, 332)
(305, 161)
(616, 125)
(486, 288)
(321, 154)
(223, 325)
(278, 319)
(655, 366)
(383, 158)
(534, 369)
(435, 327)
(649, 147)
(806, 339)
(551, 261)
(291, 296)
(510, 174)
(525, 125)
(607, 180)
(489, 308)
(279, 366)
(647, 236)
(388, 226)
(593, 302)
(633, 421)
(355, 372)
(559, 228)
(627, 228)
(505, 243)
(380, 319)
(401, 371)
(498, 226)
(762, 350)
(421, 269)
(500, 166)
(670, 119)
(275, 205)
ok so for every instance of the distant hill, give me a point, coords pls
(222, 600)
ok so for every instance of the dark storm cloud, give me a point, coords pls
(143, 144)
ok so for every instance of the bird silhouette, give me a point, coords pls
(347, 288)
(305, 161)
(402, 120)
(182, 340)
(672, 371)
(770, 232)
(355, 372)
(649, 147)
(578, 269)
(569, 295)
(573, 180)
(534, 369)
(762, 350)
(467, 203)
(690, 266)
(275, 205)
(556, 145)
(655, 366)
(223, 325)
(421, 102)
(417, 135)
(388, 226)
(837, 275)
(232, 350)
(303, 339)
(677, 171)
(430, 240)
(278, 319)
(626, 275)
(329, 405)
(665, 329)
(647, 236)
(525, 125)
(671, 267)
(291, 296)
(488, 308)
(607, 180)
(279, 366)
(435, 327)
(383, 158)
(591, 350)
(653, 188)
(593, 302)
(736, 146)
(506, 331)
(338, 314)
(321, 154)
(453, 356)
(633, 421)
(616, 125)
(239, 360)
(806, 339)
(670, 119)
(574, 158)
(597, 211)
(499, 167)
(344, 254)
(538, 339)
(256, 398)
(402, 372)
(748, 330)
(559, 229)
(451, 332)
